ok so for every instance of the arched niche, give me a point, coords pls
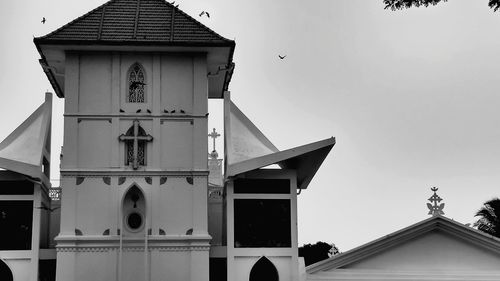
(264, 269)
(134, 211)
(5, 272)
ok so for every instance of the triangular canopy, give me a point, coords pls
(243, 139)
(247, 149)
(305, 159)
(437, 248)
(23, 151)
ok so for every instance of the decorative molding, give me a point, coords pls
(106, 232)
(143, 115)
(78, 232)
(189, 180)
(121, 180)
(118, 231)
(189, 231)
(150, 231)
(179, 119)
(84, 249)
(106, 180)
(161, 232)
(95, 118)
(133, 249)
(79, 180)
(163, 180)
(149, 180)
(215, 194)
(132, 174)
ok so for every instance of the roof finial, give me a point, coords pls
(214, 135)
(435, 210)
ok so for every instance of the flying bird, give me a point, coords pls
(204, 13)
(136, 84)
(282, 57)
(43, 20)
(138, 110)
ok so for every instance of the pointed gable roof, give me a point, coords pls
(246, 148)
(24, 149)
(135, 21)
(449, 230)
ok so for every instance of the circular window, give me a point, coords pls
(134, 221)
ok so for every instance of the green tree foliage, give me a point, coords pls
(404, 4)
(489, 217)
(314, 253)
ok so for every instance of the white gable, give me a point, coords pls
(434, 251)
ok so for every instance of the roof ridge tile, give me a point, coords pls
(136, 21)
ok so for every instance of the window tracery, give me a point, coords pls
(136, 84)
(141, 147)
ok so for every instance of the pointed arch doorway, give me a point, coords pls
(264, 269)
(5, 273)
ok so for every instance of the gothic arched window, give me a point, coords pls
(135, 145)
(264, 269)
(136, 82)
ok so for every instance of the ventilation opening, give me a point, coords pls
(134, 207)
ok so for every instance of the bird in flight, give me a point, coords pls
(282, 57)
(43, 20)
(204, 13)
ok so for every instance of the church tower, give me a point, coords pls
(135, 76)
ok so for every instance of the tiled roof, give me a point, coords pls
(136, 21)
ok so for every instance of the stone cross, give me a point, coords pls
(214, 135)
(435, 209)
(135, 138)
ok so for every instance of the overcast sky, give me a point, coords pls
(411, 96)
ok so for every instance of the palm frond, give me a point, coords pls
(489, 217)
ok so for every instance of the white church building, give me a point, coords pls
(139, 200)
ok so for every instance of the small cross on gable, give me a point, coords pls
(136, 139)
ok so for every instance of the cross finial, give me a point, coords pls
(435, 209)
(214, 135)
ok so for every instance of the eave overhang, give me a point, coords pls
(305, 160)
(219, 55)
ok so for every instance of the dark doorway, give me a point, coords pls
(264, 269)
(5, 273)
